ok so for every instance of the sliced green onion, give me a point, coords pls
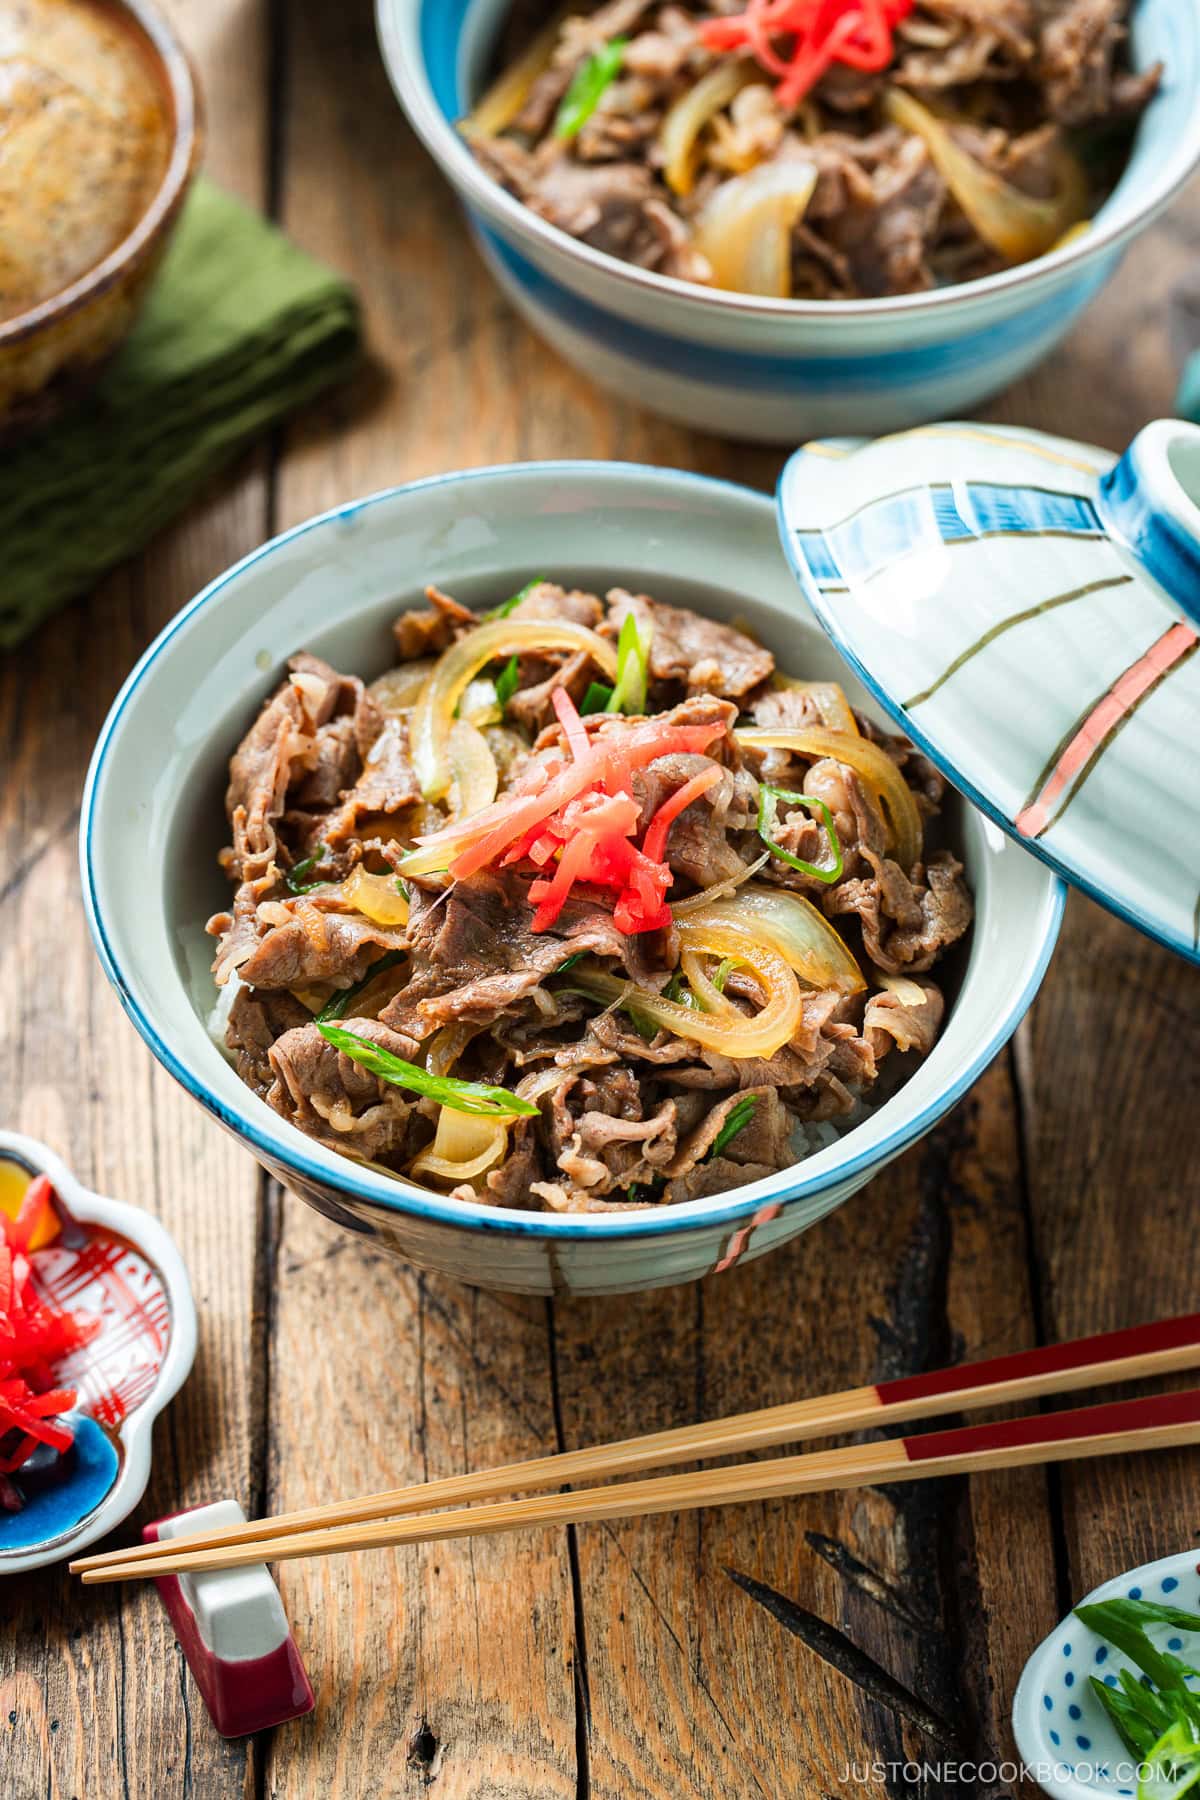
(654, 1188)
(510, 605)
(1128, 1718)
(338, 1005)
(736, 1120)
(633, 669)
(402, 887)
(506, 682)
(596, 699)
(294, 879)
(460, 1096)
(645, 1027)
(587, 87)
(768, 800)
(571, 961)
(1174, 1763)
(725, 969)
(1120, 1621)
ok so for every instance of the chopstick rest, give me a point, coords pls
(233, 1632)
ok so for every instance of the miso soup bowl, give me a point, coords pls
(783, 370)
(153, 822)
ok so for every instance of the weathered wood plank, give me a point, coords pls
(925, 1266)
(92, 1695)
(1114, 1134)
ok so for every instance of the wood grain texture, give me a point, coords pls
(93, 1700)
(614, 1662)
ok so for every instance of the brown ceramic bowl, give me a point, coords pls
(55, 349)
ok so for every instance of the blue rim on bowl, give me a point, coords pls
(423, 48)
(284, 1146)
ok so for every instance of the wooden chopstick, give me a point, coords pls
(1155, 1423)
(1125, 1355)
(1151, 1423)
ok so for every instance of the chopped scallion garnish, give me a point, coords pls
(736, 1119)
(461, 1096)
(768, 800)
(510, 605)
(337, 1006)
(588, 83)
(294, 879)
(633, 669)
(596, 699)
(506, 682)
(724, 970)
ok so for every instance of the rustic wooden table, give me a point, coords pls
(613, 1662)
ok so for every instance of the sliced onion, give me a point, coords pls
(464, 1148)
(875, 766)
(791, 925)
(479, 705)
(1013, 223)
(503, 101)
(457, 667)
(376, 897)
(474, 776)
(687, 118)
(909, 993)
(745, 231)
(682, 909)
(732, 1034)
(707, 993)
(447, 1045)
(399, 689)
(832, 706)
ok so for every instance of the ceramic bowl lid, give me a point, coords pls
(1027, 609)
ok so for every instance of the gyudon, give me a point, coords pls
(581, 905)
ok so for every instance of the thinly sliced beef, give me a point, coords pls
(388, 783)
(255, 1021)
(906, 1023)
(705, 656)
(303, 944)
(1079, 44)
(698, 845)
(716, 1176)
(948, 43)
(335, 1100)
(430, 631)
(906, 925)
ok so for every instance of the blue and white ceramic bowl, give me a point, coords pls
(1063, 1733)
(784, 370)
(153, 821)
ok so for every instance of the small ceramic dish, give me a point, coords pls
(153, 823)
(783, 370)
(113, 1260)
(56, 348)
(1063, 1733)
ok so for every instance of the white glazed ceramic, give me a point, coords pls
(1062, 1731)
(1028, 610)
(784, 370)
(155, 1245)
(153, 821)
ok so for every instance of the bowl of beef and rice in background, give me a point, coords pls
(542, 972)
(905, 238)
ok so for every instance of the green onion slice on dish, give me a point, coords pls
(337, 1006)
(294, 879)
(633, 669)
(588, 83)
(514, 600)
(737, 1119)
(461, 1096)
(768, 801)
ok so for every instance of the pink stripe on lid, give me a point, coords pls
(1120, 700)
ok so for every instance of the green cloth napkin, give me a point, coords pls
(239, 328)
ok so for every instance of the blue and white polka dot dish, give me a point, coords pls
(1063, 1734)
